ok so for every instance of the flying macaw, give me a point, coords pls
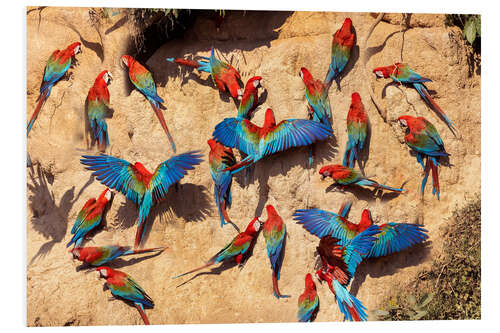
(357, 129)
(249, 99)
(224, 76)
(393, 237)
(402, 73)
(137, 183)
(57, 65)
(342, 44)
(142, 79)
(258, 142)
(236, 249)
(89, 217)
(122, 286)
(100, 255)
(423, 138)
(308, 302)
(345, 176)
(339, 263)
(97, 109)
(319, 109)
(274, 231)
(220, 158)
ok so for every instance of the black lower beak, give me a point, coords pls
(323, 177)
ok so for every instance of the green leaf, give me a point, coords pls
(412, 300)
(380, 313)
(470, 30)
(426, 300)
(419, 315)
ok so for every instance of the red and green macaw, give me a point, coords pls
(249, 98)
(339, 262)
(142, 79)
(319, 109)
(137, 183)
(357, 129)
(122, 286)
(258, 142)
(423, 138)
(89, 217)
(97, 109)
(308, 301)
(224, 76)
(344, 176)
(57, 65)
(342, 44)
(220, 158)
(236, 249)
(393, 237)
(402, 73)
(100, 255)
(274, 231)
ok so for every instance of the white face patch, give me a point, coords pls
(256, 225)
(326, 173)
(301, 75)
(403, 122)
(379, 74)
(256, 83)
(125, 61)
(103, 273)
(108, 195)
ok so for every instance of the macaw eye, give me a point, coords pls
(379, 74)
(256, 83)
(326, 173)
(403, 123)
(256, 225)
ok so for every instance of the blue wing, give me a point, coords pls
(359, 247)
(395, 237)
(323, 223)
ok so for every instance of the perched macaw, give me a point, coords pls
(423, 138)
(249, 99)
(357, 129)
(274, 231)
(122, 286)
(97, 109)
(393, 237)
(345, 176)
(236, 249)
(137, 183)
(224, 76)
(258, 142)
(57, 65)
(339, 263)
(402, 73)
(319, 109)
(308, 302)
(342, 44)
(89, 217)
(100, 255)
(142, 79)
(220, 158)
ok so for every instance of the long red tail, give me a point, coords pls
(224, 211)
(163, 124)
(143, 314)
(41, 101)
(436, 108)
(139, 251)
(185, 62)
(276, 290)
(194, 270)
(138, 235)
(435, 178)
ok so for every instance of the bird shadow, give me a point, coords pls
(370, 51)
(96, 47)
(49, 217)
(364, 193)
(389, 265)
(118, 263)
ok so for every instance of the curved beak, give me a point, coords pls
(323, 176)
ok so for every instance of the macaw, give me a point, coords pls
(97, 109)
(308, 302)
(142, 79)
(357, 129)
(319, 109)
(220, 158)
(137, 183)
(339, 263)
(236, 249)
(423, 138)
(274, 231)
(402, 73)
(342, 44)
(345, 176)
(258, 142)
(122, 286)
(57, 65)
(100, 255)
(393, 237)
(89, 217)
(224, 76)
(249, 99)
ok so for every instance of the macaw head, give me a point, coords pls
(355, 98)
(346, 26)
(253, 82)
(212, 143)
(305, 75)
(271, 211)
(105, 272)
(310, 285)
(384, 72)
(75, 252)
(366, 219)
(330, 170)
(127, 60)
(106, 76)
(75, 48)
(105, 196)
(254, 226)
(404, 121)
(269, 120)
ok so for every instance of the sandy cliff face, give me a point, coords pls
(275, 46)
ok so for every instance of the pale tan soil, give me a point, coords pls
(187, 221)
